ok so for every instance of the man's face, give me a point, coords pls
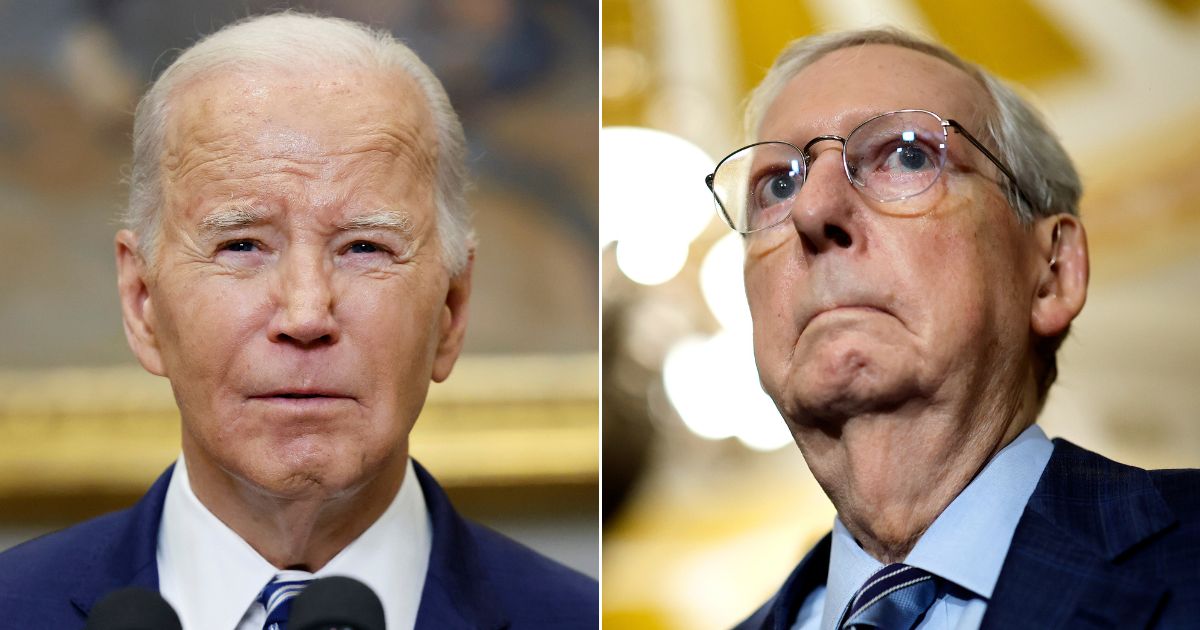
(858, 309)
(299, 304)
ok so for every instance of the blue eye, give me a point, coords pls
(239, 246)
(780, 187)
(777, 186)
(911, 158)
(363, 248)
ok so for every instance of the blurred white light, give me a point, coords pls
(713, 385)
(652, 183)
(765, 429)
(722, 283)
(649, 261)
(690, 385)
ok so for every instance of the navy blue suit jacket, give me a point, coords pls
(1100, 545)
(476, 579)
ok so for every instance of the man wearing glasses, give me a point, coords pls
(914, 258)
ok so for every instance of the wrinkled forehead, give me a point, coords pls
(845, 87)
(322, 110)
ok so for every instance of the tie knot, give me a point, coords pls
(277, 596)
(896, 596)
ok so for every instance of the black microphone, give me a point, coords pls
(336, 602)
(133, 608)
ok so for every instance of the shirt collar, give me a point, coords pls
(968, 541)
(392, 556)
(970, 538)
(849, 568)
(212, 577)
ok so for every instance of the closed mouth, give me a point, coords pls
(847, 307)
(293, 395)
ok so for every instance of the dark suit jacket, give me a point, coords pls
(1100, 545)
(476, 579)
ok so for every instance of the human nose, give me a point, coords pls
(304, 301)
(823, 213)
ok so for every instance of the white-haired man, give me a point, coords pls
(914, 257)
(297, 262)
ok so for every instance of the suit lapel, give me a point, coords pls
(129, 557)
(456, 592)
(1064, 567)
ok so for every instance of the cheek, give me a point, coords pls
(941, 265)
(391, 330)
(760, 295)
(960, 274)
(206, 323)
(769, 274)
(770, 292)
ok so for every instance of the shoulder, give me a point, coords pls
(1077, 478)
(47, 560)
(520, 574)
(52, 552)
(1144, 523)
(1082, 476)
(1178, 548)
(37, 578)
(1180, 488)
(478, 577)
(50, 581)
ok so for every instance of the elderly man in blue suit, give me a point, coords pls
(297, 262)
(914, 258)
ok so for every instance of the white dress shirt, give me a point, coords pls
(965, 545)
(212, 577)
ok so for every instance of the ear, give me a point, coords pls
(137, 309)
(453, 327)
(1063, 275)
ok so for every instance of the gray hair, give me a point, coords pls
(1023, 141)
(284, 40)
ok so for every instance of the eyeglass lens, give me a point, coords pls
(890, 158)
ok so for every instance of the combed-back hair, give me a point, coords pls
(290, 40)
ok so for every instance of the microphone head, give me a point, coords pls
(336, 602)
(133, 608)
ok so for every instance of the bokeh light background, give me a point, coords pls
(707, 503)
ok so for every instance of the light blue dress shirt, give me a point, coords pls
(965, 545)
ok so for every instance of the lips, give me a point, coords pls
(816, 312)
(302, 394)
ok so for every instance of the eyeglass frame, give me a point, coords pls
(946, 124)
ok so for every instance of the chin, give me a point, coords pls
(309, 468)
(841, 382)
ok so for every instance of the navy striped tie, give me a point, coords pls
(895, 598)
(277, 597)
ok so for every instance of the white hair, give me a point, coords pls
(287, 40)
(1022, 139)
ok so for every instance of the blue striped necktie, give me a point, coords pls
(277, 597)
(895, 598)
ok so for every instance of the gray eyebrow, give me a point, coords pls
(386, 219)
(231, 218)
(242, 215)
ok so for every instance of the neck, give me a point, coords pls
(294, 532)
(891, 474)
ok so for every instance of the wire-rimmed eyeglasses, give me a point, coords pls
(889, 157)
